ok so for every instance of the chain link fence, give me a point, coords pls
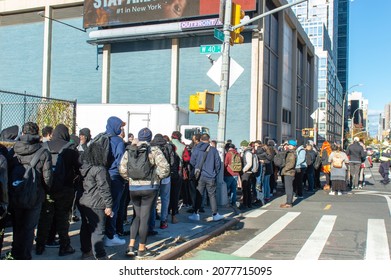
(19, 108)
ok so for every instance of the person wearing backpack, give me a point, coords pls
(301, 168)
(165, 185)
(206, 159)
(310, 172)
(143, 166)
(338, 160)
(289, 171)
(232, 169)
(24, 218)
(115, 150)
(247, 174)
(177, 183)
(357, 156)
(59, 200)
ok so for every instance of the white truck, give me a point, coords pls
(159, 118)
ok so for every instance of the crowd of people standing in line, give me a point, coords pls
(101, 176)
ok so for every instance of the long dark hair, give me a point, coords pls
(94, 155)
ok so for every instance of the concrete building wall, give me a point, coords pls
(51, 59)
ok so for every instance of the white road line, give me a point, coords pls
(313, 247)
(377, 243)
(388, 203)
(253, 245)
(255, 213)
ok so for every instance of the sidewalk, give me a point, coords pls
(169, 243)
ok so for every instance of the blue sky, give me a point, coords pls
(370, 55)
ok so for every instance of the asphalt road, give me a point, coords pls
(354, 226)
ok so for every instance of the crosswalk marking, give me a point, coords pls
(255, 213)
(377, 243)
(253, 245)
(316, 242)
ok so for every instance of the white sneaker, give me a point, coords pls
(331, 193)
(217, 217)
(194, 217)
(116, 241)
(339, 193)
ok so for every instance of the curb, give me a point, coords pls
(190, 245)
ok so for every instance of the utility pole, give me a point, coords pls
(221, 192)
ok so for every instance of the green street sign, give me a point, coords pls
(205, 49)
(219, 35)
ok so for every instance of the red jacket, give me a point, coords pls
(227, 160)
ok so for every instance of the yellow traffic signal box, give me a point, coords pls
(237, 14)
(202, 102)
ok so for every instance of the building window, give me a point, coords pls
(286, 116)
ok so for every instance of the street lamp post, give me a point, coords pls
(352, 123)
(343, 112)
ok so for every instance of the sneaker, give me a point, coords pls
(53, 244)
(143, 254)
(194, 217)
(130, 252)
(114, 242)
(67, 250)
(163, 224)
(217, 217)
(331, 193)
(8, 256)
(339, 193)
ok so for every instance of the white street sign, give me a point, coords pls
(322, 115)
(215, 71)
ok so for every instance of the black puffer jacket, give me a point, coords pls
(60, 138)
(24, 153)
(96, 187)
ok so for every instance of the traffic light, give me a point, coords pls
(237, 14)
(202, 102)
(307, 132)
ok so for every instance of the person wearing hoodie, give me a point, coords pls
(143, 191)
(24, 220)
(117, 150)
(209, 171)
(9, 133)
(95, 203)
(59, 200)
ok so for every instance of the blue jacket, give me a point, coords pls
(212, 164)
(117, 145)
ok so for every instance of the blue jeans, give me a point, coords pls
(117, 189)
(266, 186)
(165, 200)
(311, 178)
(232, 185)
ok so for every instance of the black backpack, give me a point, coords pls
(104, 140)
(139, 166)
(280, 159)
(58, 166)
(25, 182)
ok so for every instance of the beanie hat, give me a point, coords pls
(145, 134)
(244, 143)
(292, 142)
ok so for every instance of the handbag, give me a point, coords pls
(197, 170)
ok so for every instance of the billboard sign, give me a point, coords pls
(100, 13)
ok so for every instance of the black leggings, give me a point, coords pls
(142, 201)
